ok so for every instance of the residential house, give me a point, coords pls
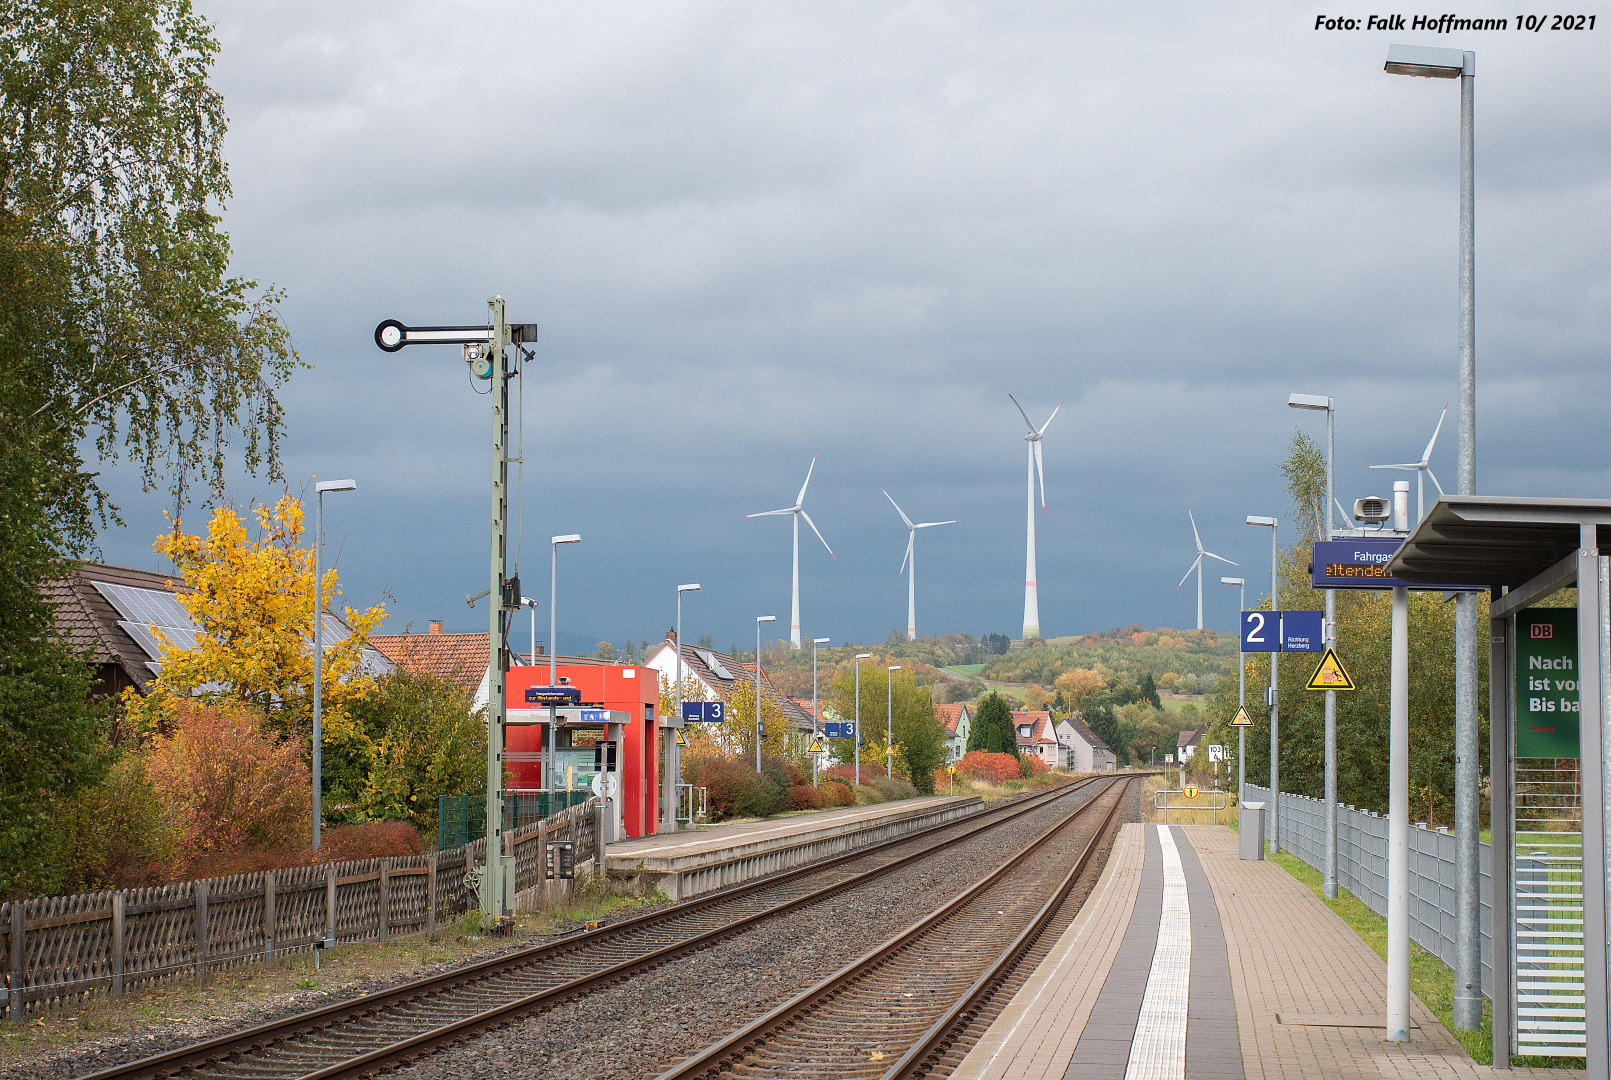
(112, 615)
(958, 723)
(1037, 735)
(1084, 751)
(1187, 742)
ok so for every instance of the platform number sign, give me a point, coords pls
(839, 731)
(703, 712)
(1261, 631)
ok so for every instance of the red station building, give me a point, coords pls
(631, 690)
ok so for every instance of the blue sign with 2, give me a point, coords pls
(1283, 631)
(703, 712)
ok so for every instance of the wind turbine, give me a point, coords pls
(1422, 468)
(911, 557)
(797, 512)
(1197, 565)
(1031, 597)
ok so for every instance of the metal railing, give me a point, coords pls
(1362, 870)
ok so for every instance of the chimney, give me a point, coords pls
(671, 635)
(436, 626)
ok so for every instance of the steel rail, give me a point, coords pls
(254, 1041)
(711, 1061)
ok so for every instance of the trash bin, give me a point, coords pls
(1252, 826)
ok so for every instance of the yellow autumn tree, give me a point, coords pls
(252, 598)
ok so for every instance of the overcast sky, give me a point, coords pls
(754, 232)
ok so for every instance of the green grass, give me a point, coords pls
(1430, 979)
(964, 671)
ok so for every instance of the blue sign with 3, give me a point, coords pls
(703, 712)
(839, 731)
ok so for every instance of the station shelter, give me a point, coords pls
(589, 748)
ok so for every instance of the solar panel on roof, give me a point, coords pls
(714, 664)
(146, 606)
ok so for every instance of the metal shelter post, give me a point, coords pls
(1597, 1021)
(1501, 795)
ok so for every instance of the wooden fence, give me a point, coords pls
(55, 949)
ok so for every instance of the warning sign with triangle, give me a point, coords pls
(1242, 719)
(815, 747)
(1330, 674)
(682, 740)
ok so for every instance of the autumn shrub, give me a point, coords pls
(802, 797)
(796, 774)
(893, 788)
(737, 790)
(990, 767)
(867, 795)
(1033, 766)
(369, 840)
(229, 784)
(835, 793)
(118, 834)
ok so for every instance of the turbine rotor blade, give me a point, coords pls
(1427, 456)
(770, 513)
(799, 499)
(1041, 473)
(897, 507)
(1410, 465)
(813, 525)
(1025, 415)
(1221, 558)
(1190, 569)
(1194, 534)
(1435, 481)
(1049, 420)
(931, 524)
(910, 537)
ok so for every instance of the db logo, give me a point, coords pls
(1542, 631)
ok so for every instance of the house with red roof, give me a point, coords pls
(958, 723)
(1037, 735)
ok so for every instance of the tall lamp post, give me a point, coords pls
(1325, 405)
(1435, 63)
(526, 601)
(1241, 689)
(1273, 694)
(760, 731)
(816, 719)
(553, 654)
(889, 722)
(318, 647)
(673, 751)
(859, 658)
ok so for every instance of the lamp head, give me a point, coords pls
(1254, 519)
(568, 538)
(864, 656)
(766, 618)
(894, 667)
(820, 640)
(687, 588)
(335, 485)
(1309, 401)
(1429, 62)
(1231, 581)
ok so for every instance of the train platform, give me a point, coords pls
(692, 862)
(1187, 963)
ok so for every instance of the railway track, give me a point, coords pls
(385, 1030)
(903, 1009)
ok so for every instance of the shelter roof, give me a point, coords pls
(1497, 540)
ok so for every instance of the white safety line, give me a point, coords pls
(1158, 1051)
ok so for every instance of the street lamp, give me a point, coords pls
(553, 652)
(759, 730)
(318, 647)
(526, 601)
(1435, 63)
(815, 708)
(673, 751)
(1325, 404)
(889, 723)
(859, 658)
(1274, 701)
(1241, 687)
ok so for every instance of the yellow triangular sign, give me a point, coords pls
(815, 748)
(1242, 719)
(1330, 674)
(682, 740)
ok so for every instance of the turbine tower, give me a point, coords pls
(911, 557)
(1197, 565)
(1421, 469)
(1031, 597)
(797, 512)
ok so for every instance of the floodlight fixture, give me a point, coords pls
(335, 485)
(1232, 581)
